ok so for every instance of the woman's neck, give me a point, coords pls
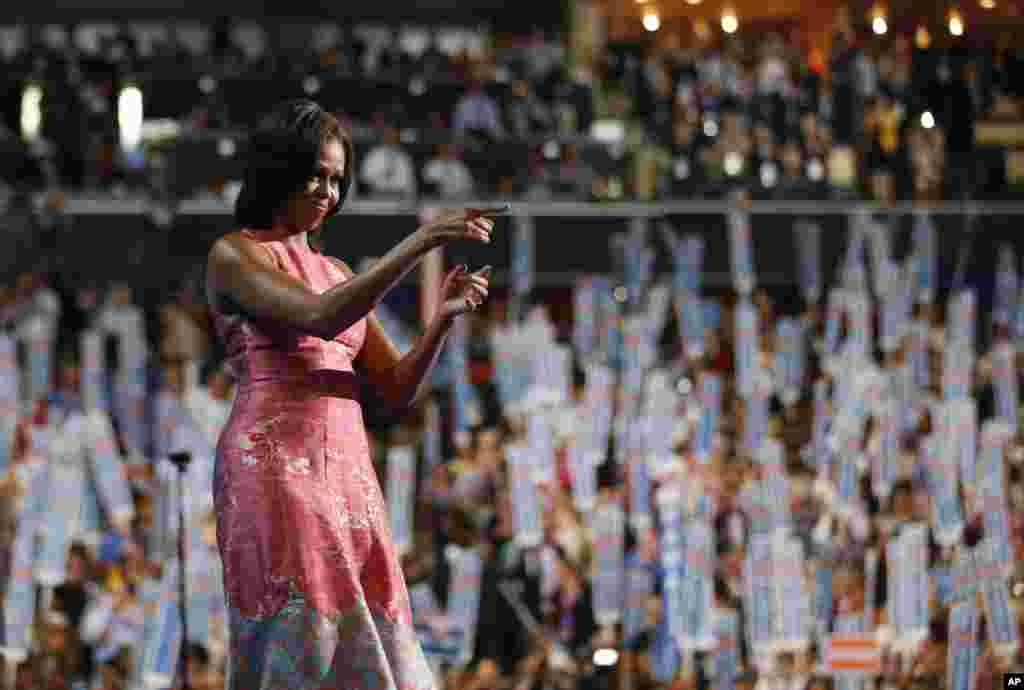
(284, 234)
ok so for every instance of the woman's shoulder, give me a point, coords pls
(341, 265)
(236, 246)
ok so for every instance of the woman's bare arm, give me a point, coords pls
(238, 272)
(399, 379)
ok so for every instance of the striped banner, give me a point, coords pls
(665, 655)
(991, 496)
(853, 276)
(808, 247)
(670, 499)
(584, 318)
(39, 339)
(962, 318)
(130, 395)
(834, 311)
(788, 590)
(884, 466)
(67, 475)
(741, 253)
(541, 444)
(852, 654)
(1001, 616)
(108, 471)
(431, 437)
(401, 490)
(1004, 305)
(639, 587)
(524, 495)
(583, 462)
(760, 594)
(464, 598)
(962, 660)
(8, 398)
(93, 372)
(755, 417)
(788, 357)
(726, 657)
(870, 588)
(637, 453)
(19, 600)
(522, 263)
(698, 586)
(907, 584)
(161, 633)
(942, 469)
(895, 310)
(690, 316)
(820, 429)
(1004, 383)
(710, 414)
(962, 424)
(880, 251)
(466, 410)
(746, 347)
(608, 527)
(925, 254)
(823, 599)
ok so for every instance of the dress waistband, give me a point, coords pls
(312, 373)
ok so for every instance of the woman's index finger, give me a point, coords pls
(488, 212)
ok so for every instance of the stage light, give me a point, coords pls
(226, 147)
(129, 117)
(956, 23)
(31, 118)
(702, 29)
(694, 2)
(922, 38)
(815, 170)
(987, 4)
(652, 22)
(605, 657)
(879, 25)
(927, 119)
(730, 22)
(733, 164)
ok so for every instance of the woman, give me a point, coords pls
(316, 598)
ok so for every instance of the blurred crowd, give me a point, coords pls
(464, 113)
(608, 416)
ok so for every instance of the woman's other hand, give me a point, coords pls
(462, 291)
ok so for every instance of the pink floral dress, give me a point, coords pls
(315, 594)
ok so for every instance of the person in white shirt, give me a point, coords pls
(448, 174)
(388, 169)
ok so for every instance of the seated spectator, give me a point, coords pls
(388, 169)
(447, 175)
(433, 63)
(525, 113)
(571, 176)
(476, 113)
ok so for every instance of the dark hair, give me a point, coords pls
(282, 153)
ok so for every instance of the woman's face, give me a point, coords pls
(307, 207)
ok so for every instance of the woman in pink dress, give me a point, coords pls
(315, 593)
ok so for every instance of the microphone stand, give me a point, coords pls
(181, 461)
